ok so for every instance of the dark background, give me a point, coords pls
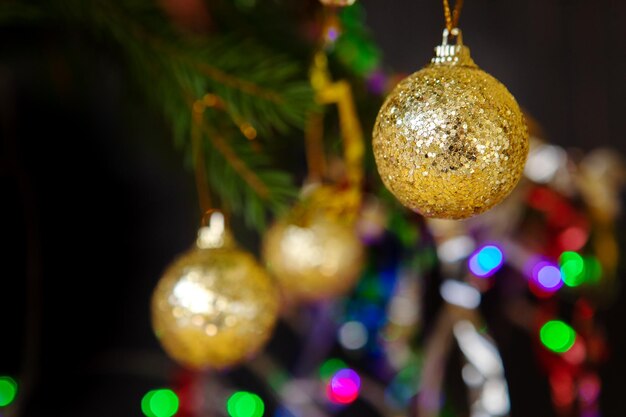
(95, 202)
(564, 60)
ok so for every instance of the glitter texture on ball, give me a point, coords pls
(215, 306)
(450, 141)
(313, 253)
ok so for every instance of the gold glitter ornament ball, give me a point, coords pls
(314, 252)
(450, 140)
(215, 306)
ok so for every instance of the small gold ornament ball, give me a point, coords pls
(450, 141)
(313, 253)
(215, 306)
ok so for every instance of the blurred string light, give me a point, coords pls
(549, 276)
(478, 350)
(455, 249)
(333, 33)
(377, 82)
(593, 269)
(8, 390)
(484, 372)
(355, 48)
(460, 294)
(245, 404)
(544, 162)
(573, 238)
(160, 403)
(563, 388)
(557, 336)
(353, 335)
(330, 368)
(572, 268)
(471, 376)
(589, 388)
(494, 397)
(403, 310)
(545, 278)
(486, 261)
(577, 353)
(344, 386)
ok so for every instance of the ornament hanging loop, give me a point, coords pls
(452, 33)
(214, 231)
(452, 54)
(209, 215)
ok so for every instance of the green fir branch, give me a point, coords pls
(257, 85)
(266, 89)
(245, 178)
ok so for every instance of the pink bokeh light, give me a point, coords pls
(343, 388)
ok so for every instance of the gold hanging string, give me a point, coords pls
(452, 18)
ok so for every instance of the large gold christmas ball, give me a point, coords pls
(313, 253)
(450, 141)
(215, 306)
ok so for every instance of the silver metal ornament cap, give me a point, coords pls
(214, 234)
(452, 54)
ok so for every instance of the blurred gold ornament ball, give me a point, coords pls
(338, 2)
(215, 305)
(450, 141)
(313, 252)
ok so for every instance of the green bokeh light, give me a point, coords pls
(160, 403)
(245, 404)
(330, 367)
(8, 390)
(557, 336)
(572, 269)
(593, 270)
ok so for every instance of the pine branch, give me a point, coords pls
(245, 179)
(255, 84)
(264, 88)
(258, 86)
